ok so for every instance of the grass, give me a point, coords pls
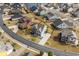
(28, 36)
(49, 30)
(52, 43)
(10, 23)
(27, 51)
(17, 46)
(34, 39)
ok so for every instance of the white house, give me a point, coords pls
(39, 29)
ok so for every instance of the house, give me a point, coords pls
(51, 16)
(69, 22)
(59, 24)
(72, 23)
(64, 7)
(38, 29)
(68, 37)
(70, 9)
(16, 5)
(43, 13)
(63, 24)
(31, 6)
(24, 20)
(13, 11)
(75, 5)
(76, 23)
(6, 11)
(16, 16)
(48, 5)
(75, 12)
(24, 23)
(1, 4)
(11, 14)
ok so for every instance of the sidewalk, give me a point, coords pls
(14, 28)
(44, 39)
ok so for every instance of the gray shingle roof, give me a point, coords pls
(70, 24)
(57, 22)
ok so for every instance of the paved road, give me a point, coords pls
(32, 44)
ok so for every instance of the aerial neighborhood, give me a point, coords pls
(39, 29)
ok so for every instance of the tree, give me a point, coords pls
(21, 20)
(41, 53)
(14, 49)
(10, 13)
(8, 22)
(50, 53)
(34, 39)
(13, 44)
(47, 43)
(0, 33)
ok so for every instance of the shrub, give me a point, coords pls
(50, 53)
